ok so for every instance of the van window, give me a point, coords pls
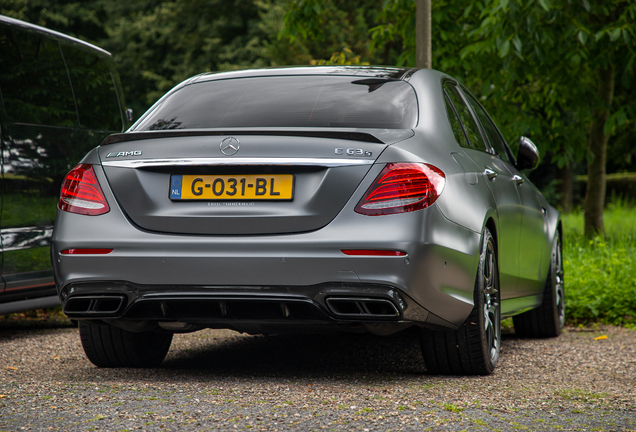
(33, 80)
(97, 104)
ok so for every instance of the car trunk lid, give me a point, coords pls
(239, 183)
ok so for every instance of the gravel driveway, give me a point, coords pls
(222, 380)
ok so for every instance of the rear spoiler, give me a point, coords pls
(379, 136)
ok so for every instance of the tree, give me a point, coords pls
(332, 31)
(84, 20)
(424, 49)
(582, 52)
(157, 44)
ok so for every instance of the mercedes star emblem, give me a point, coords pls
(229, 146)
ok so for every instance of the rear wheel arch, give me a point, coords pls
(473, 348)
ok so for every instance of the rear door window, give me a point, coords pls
(34, 83)
(468, 121)
(456, 126)
(494, 137)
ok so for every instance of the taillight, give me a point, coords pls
(81, 192)
(402, 187)
(86, 251)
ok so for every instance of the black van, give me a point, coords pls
(59, 97)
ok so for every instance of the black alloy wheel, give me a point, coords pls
(491, 306)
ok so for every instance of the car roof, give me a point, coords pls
(12, 22)
(381, 72)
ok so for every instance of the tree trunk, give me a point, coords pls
(423, 45)
(565, 187)
(597, 146)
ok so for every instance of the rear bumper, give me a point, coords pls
(437, 274)
(250, 309)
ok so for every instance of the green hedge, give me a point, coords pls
(599, 274)
(619, 185)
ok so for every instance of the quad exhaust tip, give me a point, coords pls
(94, 305)
(358, 307)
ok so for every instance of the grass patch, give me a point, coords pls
(453, 408)
(599, 274)
(580, 395)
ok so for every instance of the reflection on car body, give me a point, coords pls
(60, 97)
(406, 207)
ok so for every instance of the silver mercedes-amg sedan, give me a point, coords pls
(304, 200)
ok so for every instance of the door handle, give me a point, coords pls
(518, 179)
(490, 173)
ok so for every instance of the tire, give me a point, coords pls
(548, 319)
(111, 347)
(473, 349)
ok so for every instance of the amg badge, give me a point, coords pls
(125, 153)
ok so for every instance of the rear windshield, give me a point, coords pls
(290, 101)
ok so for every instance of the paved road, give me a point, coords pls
(222, 380)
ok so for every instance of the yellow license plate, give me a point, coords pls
(232, 187)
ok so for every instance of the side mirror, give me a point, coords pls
(528, 155)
